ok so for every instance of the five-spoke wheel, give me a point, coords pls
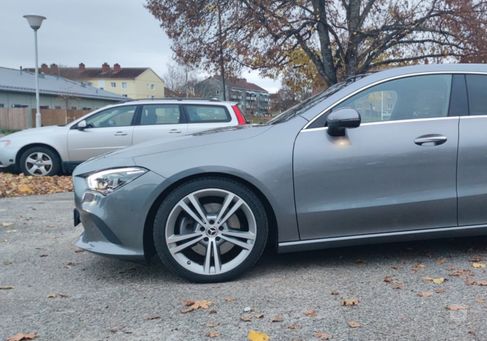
(210, 229)
(39, 161)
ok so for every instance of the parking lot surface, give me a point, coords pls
(431, 290)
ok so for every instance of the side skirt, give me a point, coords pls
(378, 238)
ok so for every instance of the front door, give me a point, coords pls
(396, 172)
(106, 131)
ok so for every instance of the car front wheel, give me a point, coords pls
(210, 229)
(39, 161)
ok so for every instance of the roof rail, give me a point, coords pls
(213, 99)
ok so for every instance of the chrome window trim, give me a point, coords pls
(393, 122)
(456, 72)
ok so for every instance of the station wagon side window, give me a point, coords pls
(154, 114)
(114, 117)
(477, 94)
(403, 99)
(206, 113)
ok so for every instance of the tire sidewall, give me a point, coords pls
(180, 192)
(56, 162)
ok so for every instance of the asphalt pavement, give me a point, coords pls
(429, 290)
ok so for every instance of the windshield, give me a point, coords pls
(307, 103)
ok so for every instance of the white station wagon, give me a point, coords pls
(54, 149)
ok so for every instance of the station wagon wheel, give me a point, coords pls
(39, 161)
(212, 230)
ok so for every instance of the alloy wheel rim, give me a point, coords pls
(38, 164)
(210, 231)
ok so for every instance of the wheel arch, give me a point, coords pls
(148, 241)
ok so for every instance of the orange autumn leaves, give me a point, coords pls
(13, 185)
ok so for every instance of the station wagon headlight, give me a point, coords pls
(5, 143)
(107, 181)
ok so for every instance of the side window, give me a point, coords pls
(206, 113)
(477, 94)
(160, 114)
(113, 117)
(403, 99)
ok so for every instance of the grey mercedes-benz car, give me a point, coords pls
(396, 155)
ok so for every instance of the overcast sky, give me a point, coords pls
(89, 31)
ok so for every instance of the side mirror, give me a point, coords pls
(81, 125)
(338, 121)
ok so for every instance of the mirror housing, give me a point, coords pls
(338, 121)
(81, 125)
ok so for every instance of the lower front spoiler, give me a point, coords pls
(109, 249)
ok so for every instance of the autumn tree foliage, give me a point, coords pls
(340, 38)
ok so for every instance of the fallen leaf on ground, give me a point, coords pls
(55, 295)
(441, 261)
(388, 279)
(440, 290)
(350, 302)
(246, 317)
(322, 336)
(7, 224)
(418, 266)
(310, 313)
(482, 283)
(23, 336)
(456, 307)
(151, 318)
(294, 326)
(436, 280)
(425, 294)
(277, 318)
(354, 324)
(230, 299)
(212, 324)
(191, 305)
(213, 333)
(478, 265)
(335, 293)
(6, 287)
(476, 259)
(254, 335)
(461, 273)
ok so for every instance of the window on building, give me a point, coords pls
(19, 105)
(101, 84)
(124, 95)
(113, 84)
(57, 107)
(2, 105)
(86, 108)
(124, 85)
(44, 107)
(74, 108)
(152, 86)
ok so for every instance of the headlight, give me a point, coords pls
(107, 181)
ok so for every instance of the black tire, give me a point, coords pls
(54, 169)
(235, 187)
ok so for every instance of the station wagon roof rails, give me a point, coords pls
(212, 99)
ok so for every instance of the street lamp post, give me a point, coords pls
(35, 22)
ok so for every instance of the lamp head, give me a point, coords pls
(34, 21)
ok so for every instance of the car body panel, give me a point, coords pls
(376, 179)
(472, 175)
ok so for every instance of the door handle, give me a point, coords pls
(120, 133)
(174, 131)
(430, 140)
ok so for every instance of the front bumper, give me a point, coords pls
(7, 157)
(114, 224)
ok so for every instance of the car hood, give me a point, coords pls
(43, 131)
(214, 136)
